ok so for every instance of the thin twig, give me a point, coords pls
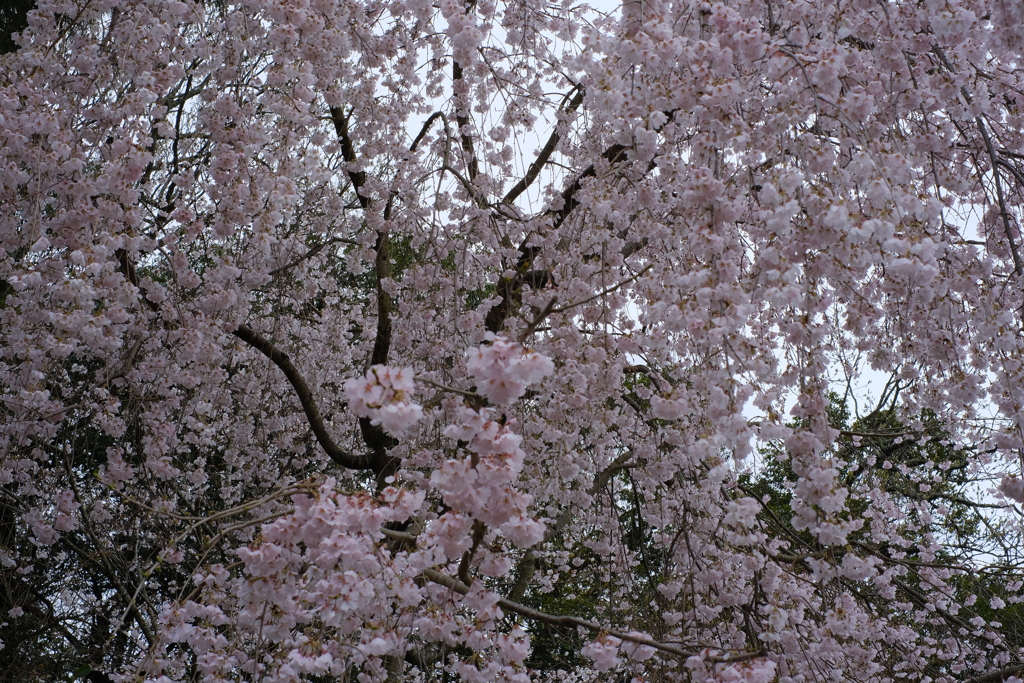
(563, 309)
(452, 390)
(550, 308)
(570, 621)
(313, 252)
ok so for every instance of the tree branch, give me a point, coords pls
(348, 152)
(423, 131)
(569, 621)
(309, 407)
(462, 121)
(510, 289)
(374, 436)
(613, 154)
(999, 675)
(544, 155)
(313, 252)
(1018, 267)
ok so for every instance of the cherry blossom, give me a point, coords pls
(604, 652)
(504, 369)
(507, 341)
(754, 671)
(383, 395)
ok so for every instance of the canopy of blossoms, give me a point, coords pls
(361, 340)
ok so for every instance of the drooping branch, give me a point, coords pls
(569, 621)
(1018, 267)
(309, 407)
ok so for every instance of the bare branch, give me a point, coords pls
(426, 126)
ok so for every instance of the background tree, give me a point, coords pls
(372, 341)
(13, 19)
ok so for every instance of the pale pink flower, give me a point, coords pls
(384, 396)
(504, 369)
(1013, 488)
(604, 652)
(755, 671)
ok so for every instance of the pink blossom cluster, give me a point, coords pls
(604, 652)
(1013, 488)
(759, 670)
(504, 369)
(320, 592)
(215, 216)
(483, 486)
(609, 652)
(384, 396)
(310, 585)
